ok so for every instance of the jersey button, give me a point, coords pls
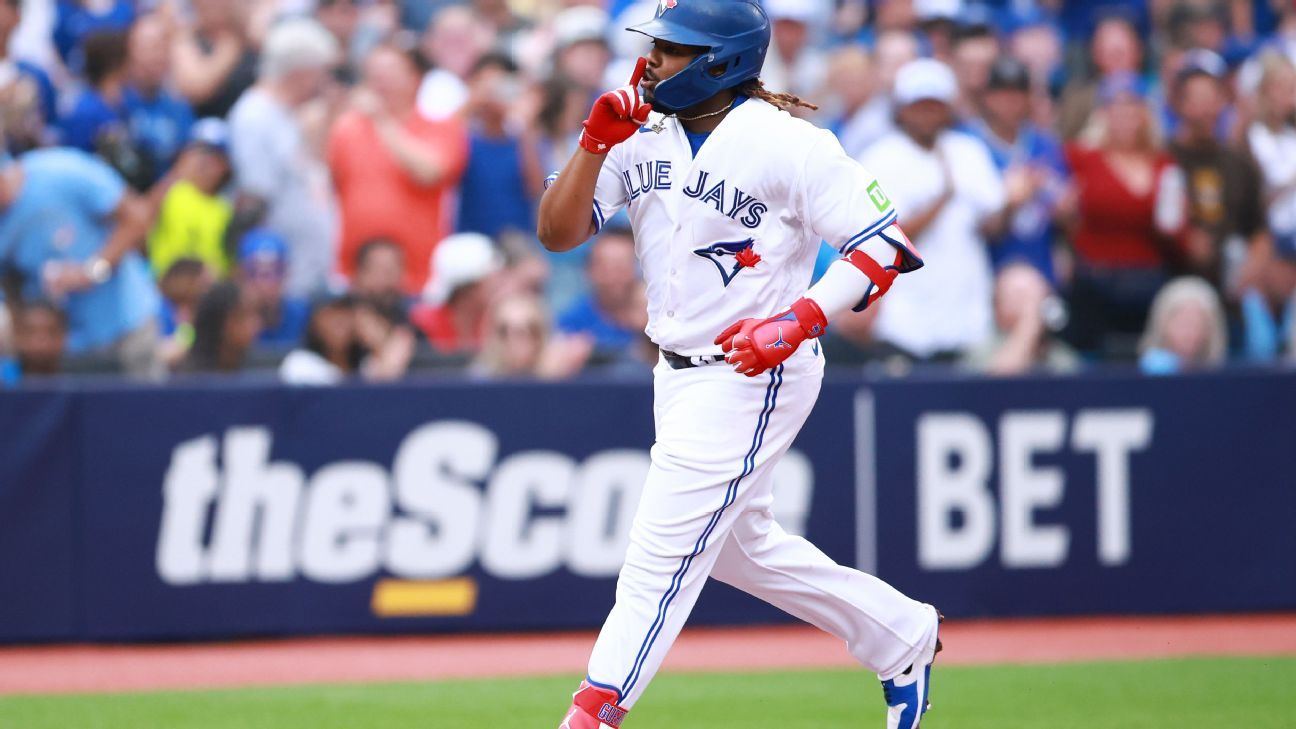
(674, 271)
(671, 314)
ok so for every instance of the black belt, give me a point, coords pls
(680, 362)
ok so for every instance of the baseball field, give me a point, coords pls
(1137, 673)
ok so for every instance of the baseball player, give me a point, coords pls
(729, 197)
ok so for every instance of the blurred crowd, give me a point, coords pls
(322, 190)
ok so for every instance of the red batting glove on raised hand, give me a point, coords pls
(616, 115)
(754, 346)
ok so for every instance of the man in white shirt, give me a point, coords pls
(274, 163)
(951, 196)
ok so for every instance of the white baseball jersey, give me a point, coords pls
(763, 180)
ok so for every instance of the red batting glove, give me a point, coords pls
(616, 115)
(754, 346)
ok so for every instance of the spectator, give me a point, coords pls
(387, 340)
(27, 96)
(938, 20)
(193, 219)
(975, 49)
(1038, 43)
(76, 20)
(611, 313)
(1031, 161)
(465, 275)
(951, 193)
(581, 50)
(864, 114)
(380, 275)
(96, 119)
(1129, 211)
(226, 325)
(1026, 316)
(158, 120)
(213, 59)
(342, 19)
(263, 264)
(501, 181)
(40, 339)
(893, 50)
(453, 42)
(347, 337)
(1269, 301)
(1223, 184)
(392, 167)
(273, 163)
(84, 258)
(183, 285)
(1185, 329)
(563, 107)
(793, 62)
(1114, 51)
(331, 351)
(518, 343)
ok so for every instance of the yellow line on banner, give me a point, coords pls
(415, 598)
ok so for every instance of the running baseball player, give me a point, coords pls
(729, 197)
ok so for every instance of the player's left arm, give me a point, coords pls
(846, 206)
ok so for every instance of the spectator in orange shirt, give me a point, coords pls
(392, 167)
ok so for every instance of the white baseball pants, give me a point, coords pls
(705, 511)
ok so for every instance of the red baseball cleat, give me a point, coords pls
(592, 708)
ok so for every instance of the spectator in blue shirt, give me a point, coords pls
(96, 113)
(263, 267)
(613, 310)
(498, 189)
(70, 231)
(157, 119)
(75, 20)
(127, 115)
(27, 97)
(1031, 160)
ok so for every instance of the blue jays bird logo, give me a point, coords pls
(740, 250)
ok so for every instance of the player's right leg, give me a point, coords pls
(887, 632)
(717, 433)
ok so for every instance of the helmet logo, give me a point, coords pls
(664, 5)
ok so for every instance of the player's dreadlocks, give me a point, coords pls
(756, 89)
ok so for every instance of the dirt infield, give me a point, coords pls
(79, 668)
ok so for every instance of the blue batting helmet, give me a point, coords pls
(736, 34)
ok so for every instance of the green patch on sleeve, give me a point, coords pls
(879, 198)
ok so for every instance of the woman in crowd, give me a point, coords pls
(331, 351)
(518, 343)
(346, 337)
(1130, 207)
(226, 325)
(1185, 329)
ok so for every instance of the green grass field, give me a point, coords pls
(1254, 693)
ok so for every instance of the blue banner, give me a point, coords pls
(211, 511)
(1095, 495)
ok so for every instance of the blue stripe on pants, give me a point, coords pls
(749, 464)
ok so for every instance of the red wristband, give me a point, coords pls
(810, 316)
(592, 145)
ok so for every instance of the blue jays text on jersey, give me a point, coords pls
(726, 199)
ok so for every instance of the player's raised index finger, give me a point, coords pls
(638, 72)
